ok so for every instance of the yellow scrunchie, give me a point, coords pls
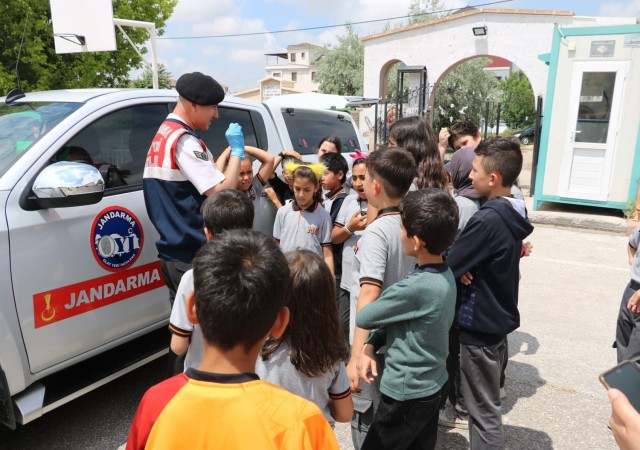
(317, 168)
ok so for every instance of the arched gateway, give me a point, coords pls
(519, 35)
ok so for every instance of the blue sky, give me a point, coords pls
(238, 62)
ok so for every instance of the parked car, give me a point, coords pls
(526, 136)
(82, 299)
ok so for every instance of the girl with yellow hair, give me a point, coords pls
(304, 223)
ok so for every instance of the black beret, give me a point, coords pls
(200, 89)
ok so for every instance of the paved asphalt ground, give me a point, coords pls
(570, 293)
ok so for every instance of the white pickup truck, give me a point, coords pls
(82, 300)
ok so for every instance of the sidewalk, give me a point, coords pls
(574, 216)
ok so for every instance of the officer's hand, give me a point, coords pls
(236, 140)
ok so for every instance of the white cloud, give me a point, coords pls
(630, 8)
(178, 61)
(247, 55)
(199, 11)
(211, 50)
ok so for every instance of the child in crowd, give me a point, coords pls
(416, 135)
(333, 197)
(329, 144)
(465, 195)
(379, 262)
(308, 359)
(252, 186)
(303, 223)
(333, 182)
(414, 316)
(247, 183)
(487, 253)
(347, 229)
(454, 412)
(628, 324)
(463, 133)
(281, 192)
(241, 281)
(225, 210)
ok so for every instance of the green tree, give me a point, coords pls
(424, 10)
(41, 68)
(518, 108)
(341, 67)
(464, 92)
(146, 79)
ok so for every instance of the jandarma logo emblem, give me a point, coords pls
(116, 238)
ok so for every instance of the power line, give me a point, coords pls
(324, 27)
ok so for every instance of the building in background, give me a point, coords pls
(292, 72)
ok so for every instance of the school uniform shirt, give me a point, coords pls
(256, 194)
(329, 198)
(379, 258)
(180, 325)
(634, 242)
(302, 228)
(350, 206)
(179, 169)
(333, 384)
(226, 411)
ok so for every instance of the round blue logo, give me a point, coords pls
(116, 238)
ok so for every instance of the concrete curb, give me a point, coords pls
(560, 215)
(587, 222)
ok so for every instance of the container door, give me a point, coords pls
(594, 108)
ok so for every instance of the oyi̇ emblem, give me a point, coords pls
(116, 237)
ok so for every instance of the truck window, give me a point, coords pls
(214, 136)
(117, 144)
(306, 128)
(23, 125)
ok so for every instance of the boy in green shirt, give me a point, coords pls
(413, 318)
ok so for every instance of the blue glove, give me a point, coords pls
(236, 140)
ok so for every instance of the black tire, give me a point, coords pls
(525, 140)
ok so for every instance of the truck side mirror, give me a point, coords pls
(64, 184)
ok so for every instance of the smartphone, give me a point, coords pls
(626, 378)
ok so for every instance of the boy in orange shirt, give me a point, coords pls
(240, 283)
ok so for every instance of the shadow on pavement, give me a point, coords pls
(449, 439)
(520, 437)
(523, 380)
(522, 342)
(515, 437)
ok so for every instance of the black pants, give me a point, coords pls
(344, 309)
(409, 424)
(453, 369)
(172, 272)
(628, 328)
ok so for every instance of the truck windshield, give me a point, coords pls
(306, 128)
(24, 124)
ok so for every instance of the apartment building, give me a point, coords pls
(290, 72)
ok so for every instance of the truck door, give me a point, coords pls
(88, 276)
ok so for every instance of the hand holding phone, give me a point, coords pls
(626, 378)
